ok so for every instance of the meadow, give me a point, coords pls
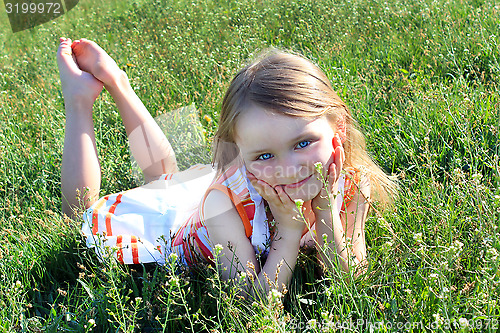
(422, 80)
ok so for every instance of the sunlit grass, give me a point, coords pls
(421, 78)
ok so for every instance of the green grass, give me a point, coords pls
(422, 78)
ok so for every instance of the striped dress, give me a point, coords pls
(148, 223)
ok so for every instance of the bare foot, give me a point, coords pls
(77, 86)
(93, 59)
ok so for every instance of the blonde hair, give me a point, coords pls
(292, 85)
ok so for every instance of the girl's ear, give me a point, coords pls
(341, 128)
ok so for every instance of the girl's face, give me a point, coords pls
(282, 150)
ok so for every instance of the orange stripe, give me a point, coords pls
(119, 253)
(135, 250)
(95, 216)
(237, 203)
(111, 211)
(204, 250)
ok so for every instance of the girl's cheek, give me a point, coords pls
(324, 154)
(256, 170)
(266, 173)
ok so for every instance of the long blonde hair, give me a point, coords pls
(292, 85)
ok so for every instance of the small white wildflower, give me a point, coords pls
(275, 294)
(482, 296)
(91, 322)
(18, 285)
(456, 248)
(387, 246)
(218, 249)
(434, 276)
(319, 167)
(438, 319)
(138, 300)
(463, 322)
(477, 176)
(173, 256)
(491, 254)
(174, 281)
(418, 237)
(299, 203)
(312, 323)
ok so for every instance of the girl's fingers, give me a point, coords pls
(283, 196)
(332, 176)
(275, 195)
(259, 187)
(253, 180)
(264, 189)
(339, 159)
(338, 152)
(336, 141)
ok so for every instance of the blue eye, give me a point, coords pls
(303, 144)
(265, 156)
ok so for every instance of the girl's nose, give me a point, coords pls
(289, 168)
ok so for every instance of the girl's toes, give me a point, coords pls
(65, 59)
(64, 49)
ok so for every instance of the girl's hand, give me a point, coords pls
(322, 200)
(283, 208)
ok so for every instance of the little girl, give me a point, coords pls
(283, 132)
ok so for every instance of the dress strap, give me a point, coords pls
(235, 199)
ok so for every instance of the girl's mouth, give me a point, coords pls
(294, 185)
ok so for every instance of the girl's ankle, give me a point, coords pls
(119, 81)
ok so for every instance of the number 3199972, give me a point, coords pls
(40, 8)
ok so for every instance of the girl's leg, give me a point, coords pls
(80, 171)
(148, 143)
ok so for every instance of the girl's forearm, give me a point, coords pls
(328, 223)
(280, 261)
